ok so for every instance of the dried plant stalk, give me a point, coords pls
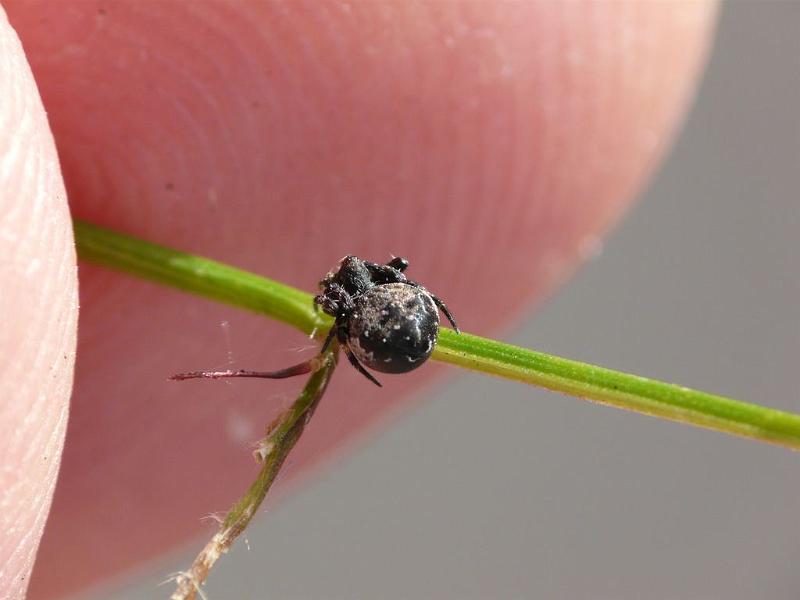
(281, 436)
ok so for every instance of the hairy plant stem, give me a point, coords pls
(221, 282)
(282, 434)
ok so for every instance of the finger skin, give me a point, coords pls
(38, 316)
(490, 144)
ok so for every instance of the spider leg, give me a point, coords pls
(342, 336)
(443, 307)
(354, 361)
(329, 338)
(399, 263)
(440, 303)
(391, 272)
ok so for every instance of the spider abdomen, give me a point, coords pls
(393, 327)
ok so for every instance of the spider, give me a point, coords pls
(383, 321)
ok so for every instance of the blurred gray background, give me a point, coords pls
(495, 490)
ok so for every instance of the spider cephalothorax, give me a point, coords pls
(383, 320)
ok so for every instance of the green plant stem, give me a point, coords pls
(214, 280)
(281, 437)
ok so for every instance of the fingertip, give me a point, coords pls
(38, 316)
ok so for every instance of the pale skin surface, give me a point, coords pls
(492, 146)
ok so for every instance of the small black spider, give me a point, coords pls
(384, 321)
